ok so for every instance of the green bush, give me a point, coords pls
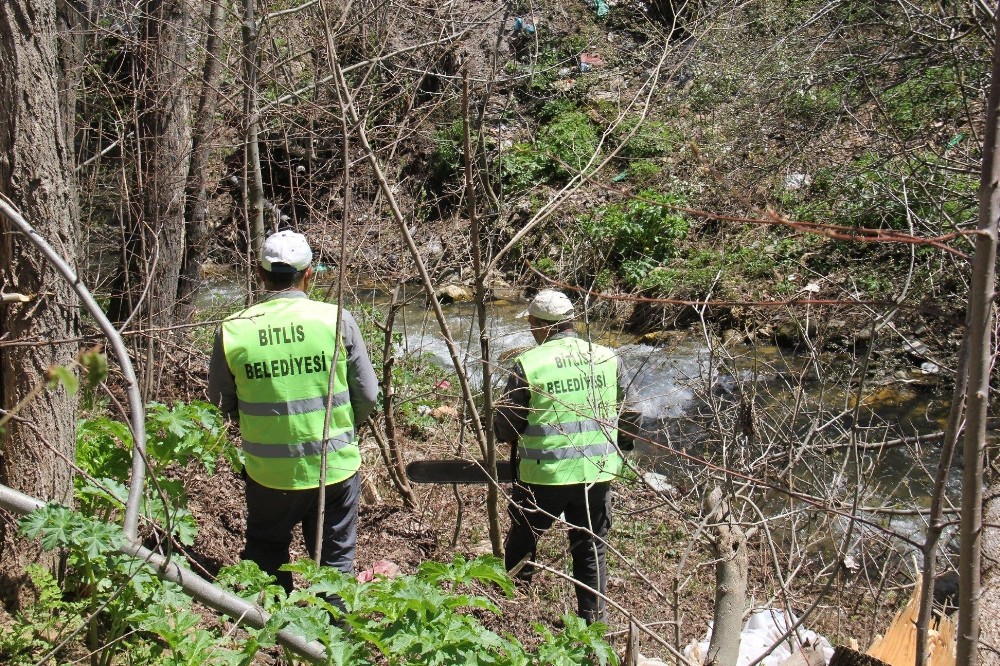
(181, 434)
(641, 234)
(570, 139)
(523, 167)
(643, 171)
(691, 278)
(561, 149)
(546, 266)
(446, 162)
(124, 614)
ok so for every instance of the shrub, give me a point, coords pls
(570, 139)
(446, 160)
(561, 149)
(641, 234)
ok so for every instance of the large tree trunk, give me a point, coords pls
(36, 175)
(153, 239)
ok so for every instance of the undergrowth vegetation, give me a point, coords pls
(845, 115)
(123, 614)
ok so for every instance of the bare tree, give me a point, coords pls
(980, 349)
(153, 229)
(196, 197)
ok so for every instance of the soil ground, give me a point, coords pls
(655, 549)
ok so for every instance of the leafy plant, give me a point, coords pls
(34, 627)
(121, 602)
(446, 160)
(641, 233)
(570, 139)
(523, 167)
(426, 618)
(179, 434)
(187, 432)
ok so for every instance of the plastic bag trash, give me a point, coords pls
(762, 629)
(796, 181)
(601, 6)
(521, 25)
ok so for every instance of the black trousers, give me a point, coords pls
(272, 514)
(532, 511)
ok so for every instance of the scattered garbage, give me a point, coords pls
(796, 181)
(764, 627)
(424, 410)
(523, 26)
(600, 6)
(381, 568)
(589, 61)
(916, 348)
(930, 368)
(658, 483)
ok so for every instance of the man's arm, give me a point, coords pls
(221, 383)
(629, 416)
(361, 380)
(511, 417)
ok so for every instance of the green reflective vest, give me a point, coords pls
(280, 352)
(572, 414)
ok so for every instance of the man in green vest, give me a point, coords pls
(270, 368)
(564, 407)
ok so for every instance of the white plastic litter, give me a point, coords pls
(763, 628)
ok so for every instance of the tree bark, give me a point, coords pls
(989, 640)
(253, 193)
(36, 174)
(196, 198)
(153, 241)
(980, 335)
(729, 548)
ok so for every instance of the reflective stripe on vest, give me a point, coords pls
(300, 450)
(280, 352)
(572, 413)
(286, 408)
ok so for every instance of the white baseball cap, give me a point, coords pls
(549, 305)
(285, 252)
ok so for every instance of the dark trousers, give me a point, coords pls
(272, 514)
(534, 508)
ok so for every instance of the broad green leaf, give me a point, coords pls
(59, 374)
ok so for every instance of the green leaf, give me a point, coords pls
(96, 365)
(59, 374)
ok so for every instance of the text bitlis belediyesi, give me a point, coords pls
(284, 367)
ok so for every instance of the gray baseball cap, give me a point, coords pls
(285, 252)
(550, 305)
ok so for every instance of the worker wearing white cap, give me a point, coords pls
(271, 368)
(564, 413)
